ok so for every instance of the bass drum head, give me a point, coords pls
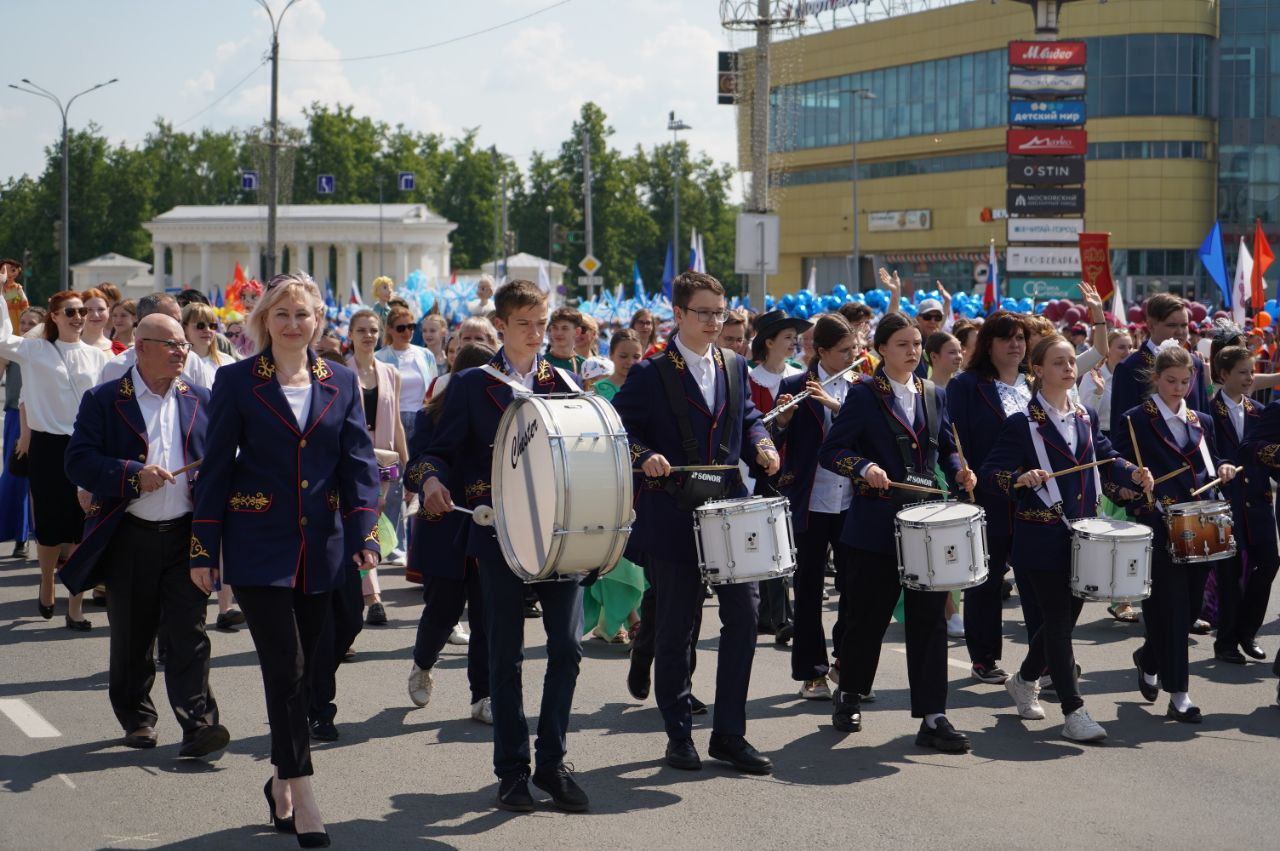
(1106, 527)
(523, 471)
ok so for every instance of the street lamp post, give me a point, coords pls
(551, 231)
(675, 126)
(855, 275)
(64, 272)
(273, 171)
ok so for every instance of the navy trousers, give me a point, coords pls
(809, 646)
(1176, 592)
(444, 598)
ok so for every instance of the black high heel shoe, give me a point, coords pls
(46, 612)
(283, 825)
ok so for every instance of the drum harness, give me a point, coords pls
(906, 441)
(700, 487)
(1054, 501)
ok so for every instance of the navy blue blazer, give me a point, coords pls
(799, 442)
(285, 505)
(1161, 454)
(662, 530)
(860, 437)
(108, 448)
(1250, 492)
(973, 405)
(438, 545)
(1129, 385)
(1041, 541)
(460, 450)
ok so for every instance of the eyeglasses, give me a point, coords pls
(73, 312)
(402, 328)
(932, 317)
(205, 326)
(707, 316)
(171, 345)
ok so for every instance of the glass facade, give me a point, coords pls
(1249, 113)
(1142, 74)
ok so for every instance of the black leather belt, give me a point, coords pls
(176, 524)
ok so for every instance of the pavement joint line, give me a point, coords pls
(964, 666)
(26, 719)
(65, 779)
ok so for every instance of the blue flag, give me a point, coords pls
(1215, 263)
(218, 299)
(668, 270)
(637, 281)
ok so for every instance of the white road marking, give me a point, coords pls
(27, 719)
(146, 837)
(67, 780)
(964, 666)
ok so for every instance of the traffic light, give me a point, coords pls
(575, 236)
(558, 234)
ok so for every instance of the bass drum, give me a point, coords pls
(561, 486)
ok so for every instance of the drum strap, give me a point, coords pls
(1204, 456)
(1054, 500)
(905, 439)
(516, 387)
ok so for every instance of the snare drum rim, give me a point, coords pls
(743, 505)
(1185, 509)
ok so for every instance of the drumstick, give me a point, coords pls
(694, 468)
(964, 465)
(1212, 484)
(483, 516)
(191, 466)
(1137, 454)
(1167, 476)
(920, 488)
(1075, 469)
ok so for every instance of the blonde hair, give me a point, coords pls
(395, 316)
(297, 285)
(479, 323)
(198, 312)
(382, 281)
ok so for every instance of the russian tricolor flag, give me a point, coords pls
(991, 296)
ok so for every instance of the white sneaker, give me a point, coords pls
(482, 711)
(1026, 695)
(420, 683)
(396, 558)
(955, 626)
(815, 689)
(459, 635)
(1079, 727)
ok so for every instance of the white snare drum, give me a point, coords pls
(942, 546)
(1110, 560)
(744, 540)
(561, 486)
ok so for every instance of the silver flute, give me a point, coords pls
(805, 394)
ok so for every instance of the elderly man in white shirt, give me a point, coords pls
(195, 371)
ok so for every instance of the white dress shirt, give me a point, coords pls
(1014, 397)
(1235, 410)
(832, 494)
(195, 371)
(906, 396)
(54, 376)
(1176, 420)
(525, 378)
(703, 370)
(164, 449)
(1065, 421)
(1098, 399)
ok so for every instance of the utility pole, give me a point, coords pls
(586, 198)
(675, 126)
(760, 136)
(551, 232)
(273, 147)
(506, 242)
(499, 238)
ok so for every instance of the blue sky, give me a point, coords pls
(522, 84)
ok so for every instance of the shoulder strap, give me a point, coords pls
(679, 405)
(733, 407)
(567, 378)
(931, 419)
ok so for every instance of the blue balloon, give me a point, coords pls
(860, 298)
(1040, 307)
(788, 301)
(1271, 306)
(768, 302)
(840, 290)
(1024, 305)
(910, 310)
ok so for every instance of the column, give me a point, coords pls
(179, 278)
(324, 268)
(298, 258)
(253, 263)
(157, 265)
(402, 263)
(348, 271)
(204, 266)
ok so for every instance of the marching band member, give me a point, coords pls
(287, 446)
(1263, 447)
(892, 428)
(462, 450)
(1053, 435)
(1169, 435)
(691, 404)
(1167, 319)
(820, 499)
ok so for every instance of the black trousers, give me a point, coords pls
(642, 644)
(286, 625)
(983, 608)
(1256, 596)
(338, 633)
(774, 611)
(1228, 584)
(678, 591)
(443, 600)
(148, 569)
(809, 644)
(1176, 592)
(1050, 647)
(872, 586)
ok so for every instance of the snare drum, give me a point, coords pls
(561, 486)
(942, 546)
(1110, 560)
(1200, 531)
(744, 540)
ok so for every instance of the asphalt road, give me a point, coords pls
(402, 776)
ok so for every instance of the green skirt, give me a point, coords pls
(608, 603)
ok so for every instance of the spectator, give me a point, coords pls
(15, 504)
(435, 329)
(642, 323)
(200, 324)
(586, 337)
(563, 331)
(111, 291)
(945, 353)
(96, 322)
(123, 317)
(733, 334)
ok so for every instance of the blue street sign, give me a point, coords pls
(249, 181)
(324, 184)
(1046, 112)
(407, 181)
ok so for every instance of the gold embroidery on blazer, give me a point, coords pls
(264, 368)
(197, 548)
(320, 369)
(126, 386)
(249, 502)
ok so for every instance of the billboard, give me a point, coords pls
(1046, 54)
(1038, 143)
(1046, 112)
(1031, 259)
(1050, 202)
(1044, 230)
(1044, 287)
(899, 220)
(1046, 83)
(1046, 171)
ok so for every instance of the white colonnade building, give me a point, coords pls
(199, 246)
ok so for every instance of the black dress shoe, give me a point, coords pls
(784, 633)
(558, 783)
(942, 737)
(229, 620)
(78, 626)
(1149, 692)
(142, 738)
(1253, 651)
(377, 615)
(313, 840)
(638, 676)
(1192, 714)
(696, 706)
(737, 751)
(282, 825)
(683, 755)
(1230, 654)
(205, 741)
(847, 714)
(46, 612)
(323, 731)
(532, 611)
(513, 794)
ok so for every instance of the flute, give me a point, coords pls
(805, 394)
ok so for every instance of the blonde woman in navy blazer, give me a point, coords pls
(287, 493)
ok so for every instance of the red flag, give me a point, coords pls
(1262, 258)
(1095, 263)
(239, 276)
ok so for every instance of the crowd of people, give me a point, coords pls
(160, 451)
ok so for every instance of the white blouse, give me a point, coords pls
(54, 376)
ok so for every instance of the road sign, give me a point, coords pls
(325, 184)
(589, 264)
(407, 181)
(590, 281)
(756, 244)
(249, 181)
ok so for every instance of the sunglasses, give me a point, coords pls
(402, 328)
(936, 317)
(205, 326)
(73, 312)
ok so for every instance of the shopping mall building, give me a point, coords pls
(1183, 126)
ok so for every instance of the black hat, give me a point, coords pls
(770, 325)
